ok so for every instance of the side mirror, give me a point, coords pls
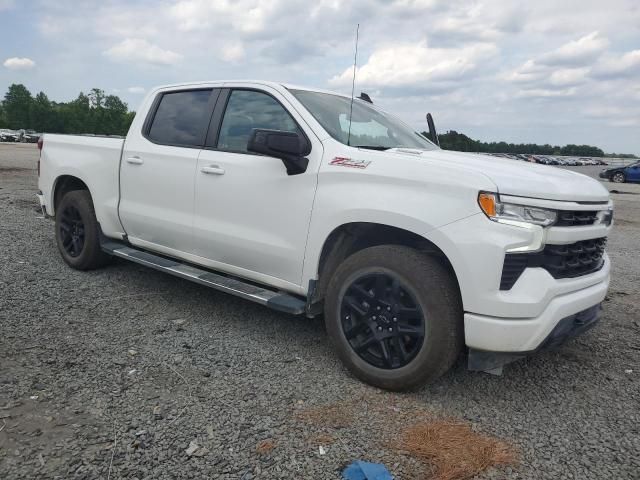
(432, 130)
(290, 147)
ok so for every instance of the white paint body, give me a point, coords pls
(257, 222)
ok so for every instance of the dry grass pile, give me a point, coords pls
(332, 416)
(265, 447)
(321, 439)
(453, 450)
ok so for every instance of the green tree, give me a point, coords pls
(75, 115)
(3, 118)
(115, 116)
(17, 106)
(41, 114)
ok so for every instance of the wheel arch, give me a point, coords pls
(349, 238)
(64, 184)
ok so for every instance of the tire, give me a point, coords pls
(618, 177)
(416, 279)
(78, 232)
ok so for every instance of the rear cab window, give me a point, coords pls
(181, 118)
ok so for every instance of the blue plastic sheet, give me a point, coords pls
(359, 470)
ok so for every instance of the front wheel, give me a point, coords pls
(78, 232)
(618, 177)
(394, 316)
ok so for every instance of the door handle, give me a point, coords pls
(135, 160)
(213, 169)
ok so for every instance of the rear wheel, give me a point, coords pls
(394, 316)
(618, 177)
(78, 233)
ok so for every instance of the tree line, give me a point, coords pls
(101, 114)
(453, 140)
(94, 112)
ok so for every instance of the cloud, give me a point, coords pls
(494, 69)
(627, 65)
(557, 73)
(248, 16)
(232, 52)
(533, 75)
(17, 63)
(137, 50)
(136, 90)
(546, 93)
(576, 53)
(410, 65)
(478, 22)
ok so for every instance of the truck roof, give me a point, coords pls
(276, 85)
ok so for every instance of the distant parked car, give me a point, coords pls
(630, 173)
(30, 136)
(7, 135)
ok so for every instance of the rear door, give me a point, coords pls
(158, 167)
(251, 217)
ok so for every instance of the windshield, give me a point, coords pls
(370, 127)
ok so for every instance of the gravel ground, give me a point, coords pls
(113, 373)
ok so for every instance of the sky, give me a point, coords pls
(549, 71)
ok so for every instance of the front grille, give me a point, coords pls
(561, 261)
(575, 218)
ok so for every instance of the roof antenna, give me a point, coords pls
(353, 84)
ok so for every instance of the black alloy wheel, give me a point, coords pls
(382, 321)
(72, 231)
(78, 231)
(394, 316)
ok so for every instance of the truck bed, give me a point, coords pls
(93, 159)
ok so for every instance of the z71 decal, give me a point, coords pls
(349, 162)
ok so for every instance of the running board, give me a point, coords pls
(282, 302)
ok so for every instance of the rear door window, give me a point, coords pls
(181, 119)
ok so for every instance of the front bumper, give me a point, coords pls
(512, 335)
(567, 328)
(43, 206)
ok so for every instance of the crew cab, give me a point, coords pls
(310, 202)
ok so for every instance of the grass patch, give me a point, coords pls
(453, 449)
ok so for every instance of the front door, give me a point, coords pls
(251, 218)
(633, 173)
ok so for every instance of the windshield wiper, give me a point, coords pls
(372, 147)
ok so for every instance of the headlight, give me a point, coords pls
(511, 212)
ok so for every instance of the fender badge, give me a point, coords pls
(349, 162)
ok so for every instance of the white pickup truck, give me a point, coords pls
(308, 203)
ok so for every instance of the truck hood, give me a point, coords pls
(513, 177)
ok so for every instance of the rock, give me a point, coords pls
(132, 352)
(192, 448)
(157, 412)
(201, 452)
